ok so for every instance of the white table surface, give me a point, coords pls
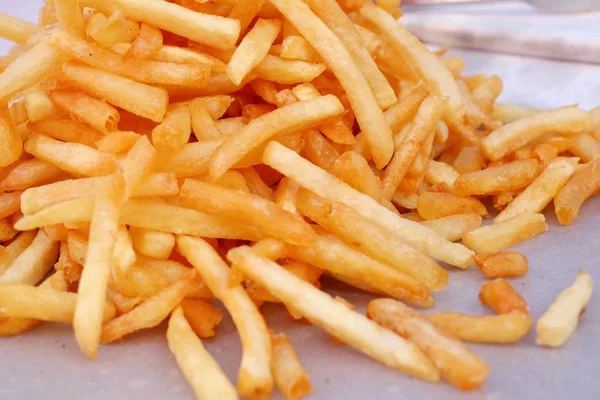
(46, 363)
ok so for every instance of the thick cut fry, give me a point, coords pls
(250, 209)
(147, 71)
(438, 173)
(434, 205)
(430, 68)
(33, 263)
(87, 321)
(202, 317)
(456, 363)
(331, 254)
(148, 314)
(298, 116)
(42, 303)
(453, 227)
(10, 139)
(288, 72)
(255, 379)
(503, 178)
(290, 377)
(71, 157)
(323, 184)
(337, 20)
(505, 264)
(137, 98)
(31, 67)
(201, 371)
(87, 110)
(501, 297)
(67, 130)
(69, 16)
(193, 160)
(15, 249)
(147, 43)
(564, 121)
(504, 328)
(558, 323)
(541, 192)
(371, 239)
(253, 49)
(334, 317)
(584, 183)
(151, 243)
(420, 129)
(212, 30)
(337, 57)
(585, 147)
(505, 234)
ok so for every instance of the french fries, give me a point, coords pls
(503, 178)
(453, 227)
(541, 192)
(505, 234)
(348, 325)
(456, 363)
(202, 317)
(11, 252)
(67, 130)
(504, 264)
(432, 205)
(290, 377)
(151, 243)
(558, 323)
(582, 185)
(33, 263)
(501, 297)
(11, 142)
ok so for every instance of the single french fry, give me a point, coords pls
(202, 317)
(560, 320)
(87, 321)
(69, 16)
(157, 184)
(65, 129)
(137, 164)
(85, 109)
(295, 47)
(582, 185)
(510, 112)
(124, 255)
(541, 191)
(147, 71)
(353, 169)
(456, 363)
(7, 231)
(337, 57)
(434, 205)
(71, 157)
(14, 249)
(373, 240)
(177, 55)
(9, 203)
(33, 263)
(505, 234)
(453, 227)
(504, 328)
(298, 116)
(319, 307)
(212, 30)
(137, 98)
(319, 151)
(285, 195)
(469, 159)
(17, 30)
(331, 254)
(11, 141)
(57, 232)
(586, 147)
(70, 211)
(290, 377)
(201, 371)
(438, 172)
(37, 198)
(422, 126)
(203, 125)
(117, 142)
(42, 303)
(193, 160)
(39, 106)
(431, 69)
(564, 121)
(245, 12)
(505, 264)
(323, 184)
(234, 180)
(151, 243)
(503, 178)
(173, 271)
(230, 126)
(501, 297)
(287, 71)
(253, 49)
(270, 248)
(255, 377)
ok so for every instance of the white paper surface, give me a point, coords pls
(46, 363)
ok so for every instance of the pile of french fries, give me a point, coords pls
(158, 156)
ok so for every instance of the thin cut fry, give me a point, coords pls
(504, 328)
(87, 321)
(201, 371)
(584, 183)
(501, 297)
(255, 379)
(323, 184)
(202, 317)
(503, 178)
(65, 129)
(585, 146)
(334, 317)
(505, 234)
(288, 72)
(558, 323)
(565, 121)
(453, 227)
(541, 192)
(456, 363)
(17, 30)
(33, 263)
(505, 264)
(335, 55)
(290, 377)
(434, 205)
